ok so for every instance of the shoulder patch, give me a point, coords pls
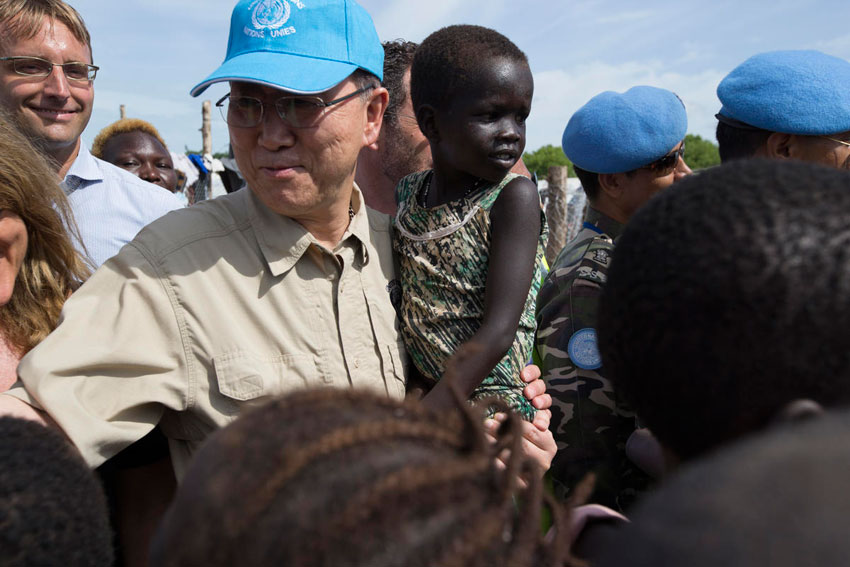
(595, 259)
(601, 256)
(584, 349)
(589, 273)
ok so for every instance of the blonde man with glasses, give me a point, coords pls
(47, 85)
(787, 105)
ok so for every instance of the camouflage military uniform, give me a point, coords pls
(589, 421)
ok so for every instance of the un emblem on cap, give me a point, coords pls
(584, 349)
(334, 38)
(269, 14)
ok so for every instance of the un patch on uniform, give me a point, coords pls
(584, 349)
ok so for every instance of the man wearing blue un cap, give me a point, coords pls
(786, 105)
(625, 147)
(284, 285)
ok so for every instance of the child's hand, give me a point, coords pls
(535, 392)
(538, 445)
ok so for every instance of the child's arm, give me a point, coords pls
(515, 229)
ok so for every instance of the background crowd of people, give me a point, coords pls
(362, 358)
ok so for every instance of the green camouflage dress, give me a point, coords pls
(590, 422)
(443, 255)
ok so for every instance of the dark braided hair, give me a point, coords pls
(451, 58)
(729, 297)
(339, 477)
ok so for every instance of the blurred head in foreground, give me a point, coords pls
(728, 301)
(334, 478)
(778, 498)
(52, 508)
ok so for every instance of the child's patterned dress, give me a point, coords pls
(443, 255)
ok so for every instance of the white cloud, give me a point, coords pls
(413, 21)
(189, 12)
(397, 20)
(838, 46)
(155, 107)
(177, 119)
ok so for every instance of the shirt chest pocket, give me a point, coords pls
(247, 379)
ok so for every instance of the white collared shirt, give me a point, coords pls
(111, 205)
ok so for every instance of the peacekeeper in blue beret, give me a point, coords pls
(625, 148)
(787, 105)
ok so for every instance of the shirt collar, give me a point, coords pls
(283, 241)
(85, 166)
(604, 223)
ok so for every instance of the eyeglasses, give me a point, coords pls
(668, 162)
(836, 140)
(38, 67)
(297, 111)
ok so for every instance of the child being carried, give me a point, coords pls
(469, 234)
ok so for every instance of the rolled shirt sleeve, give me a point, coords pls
(211, 311)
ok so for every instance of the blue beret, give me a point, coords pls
(793, 92)
(617, 132)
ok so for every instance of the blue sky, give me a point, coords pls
(151, 52)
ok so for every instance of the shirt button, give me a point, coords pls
(356, 363)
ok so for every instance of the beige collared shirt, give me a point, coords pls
(208, 311)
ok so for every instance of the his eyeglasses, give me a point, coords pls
(836, 140)
(38, 67)
(668, 162)
(297, 111)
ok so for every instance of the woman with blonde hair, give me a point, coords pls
(39, 266)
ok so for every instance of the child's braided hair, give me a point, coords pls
(334, 478)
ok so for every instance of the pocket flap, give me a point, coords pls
(243, 375)
(240, 375)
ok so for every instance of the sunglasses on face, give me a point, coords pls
(837, 141)
(38, 67)
(667, 163)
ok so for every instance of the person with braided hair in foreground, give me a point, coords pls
(342, 477)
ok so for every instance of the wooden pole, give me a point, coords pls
(123, 110)
(556, 211)
(206, 128)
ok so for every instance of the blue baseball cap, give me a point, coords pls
(305, 47)
(793, 92)
(618, 132)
